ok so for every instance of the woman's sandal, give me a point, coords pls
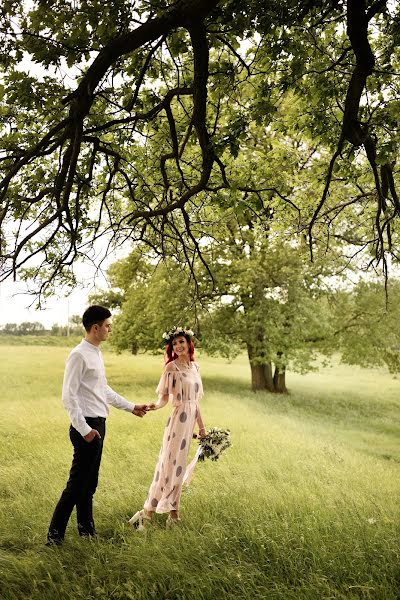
(139, 520)
(171, 522)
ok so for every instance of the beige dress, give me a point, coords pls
(185, 388)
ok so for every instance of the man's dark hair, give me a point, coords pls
(94, 315)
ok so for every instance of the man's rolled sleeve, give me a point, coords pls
(72, 379)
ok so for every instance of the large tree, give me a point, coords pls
(265, 298)
(118, 119)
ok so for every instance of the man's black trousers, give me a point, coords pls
(81, 485)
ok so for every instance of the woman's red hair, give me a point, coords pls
(170, 355)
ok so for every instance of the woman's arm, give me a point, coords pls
(200, 423)
(163, 400)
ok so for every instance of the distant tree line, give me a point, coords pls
(38, 329)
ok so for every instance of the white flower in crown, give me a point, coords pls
(175, 331)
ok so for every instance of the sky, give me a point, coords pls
(16, 303)
(15, 306)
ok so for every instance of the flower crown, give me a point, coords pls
(168, 336)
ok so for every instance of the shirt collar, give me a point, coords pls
(90, 346)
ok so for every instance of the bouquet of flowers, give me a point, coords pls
(216, 441)
(210, 446)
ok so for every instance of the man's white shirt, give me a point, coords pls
(85, 390)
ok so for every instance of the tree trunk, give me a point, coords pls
(280, 375)
(279, 381)
(261, 373)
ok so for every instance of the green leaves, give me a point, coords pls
(231, 136)
(128, 143)
(367, 325)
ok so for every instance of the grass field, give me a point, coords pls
(305, 505)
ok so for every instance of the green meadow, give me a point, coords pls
(304, 505)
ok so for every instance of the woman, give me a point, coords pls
(180, 380)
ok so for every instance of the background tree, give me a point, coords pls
(367, 325)
(151, 298)
(265, 296)
(270, 300)
(265, 299)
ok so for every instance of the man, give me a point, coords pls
(86, 397)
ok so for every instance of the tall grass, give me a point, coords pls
(303, 506)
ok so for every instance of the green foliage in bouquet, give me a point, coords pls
(216, 441)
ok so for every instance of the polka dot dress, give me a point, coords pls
(185, 388)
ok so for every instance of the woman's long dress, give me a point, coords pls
(185, 388)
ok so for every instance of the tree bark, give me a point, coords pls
(261, 373)
(280, 381)
(280, 374)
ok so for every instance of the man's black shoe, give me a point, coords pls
(52, 542)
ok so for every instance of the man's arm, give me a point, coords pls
(74, 369)
(120, 402)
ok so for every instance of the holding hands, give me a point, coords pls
(141, 409)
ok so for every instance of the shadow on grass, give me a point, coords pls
(357, 415)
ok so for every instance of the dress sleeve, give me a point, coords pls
(170, 384)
